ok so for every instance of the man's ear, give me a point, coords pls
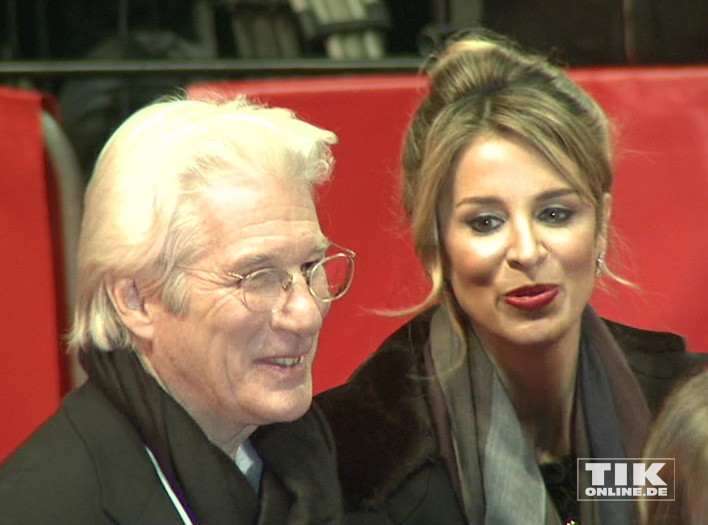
(130, 304)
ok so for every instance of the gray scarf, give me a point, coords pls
(498, 479)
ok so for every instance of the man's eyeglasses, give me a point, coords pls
(267, 289)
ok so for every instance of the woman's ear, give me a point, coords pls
(130, 304)
(605, 215)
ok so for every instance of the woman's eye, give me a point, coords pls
(555, 215)
(484, 223)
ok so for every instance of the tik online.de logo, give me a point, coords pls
(626, 479)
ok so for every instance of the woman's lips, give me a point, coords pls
(532, 297)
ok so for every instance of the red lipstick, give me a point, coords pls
(532, 297)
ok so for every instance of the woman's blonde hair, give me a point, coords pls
(680, 431)
(484, 84)
(140, 219)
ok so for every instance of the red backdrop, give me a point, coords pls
(660, 196)
(661, 214)
(31, 308)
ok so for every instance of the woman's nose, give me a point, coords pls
(525, 247)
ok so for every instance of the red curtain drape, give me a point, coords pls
(30, 296)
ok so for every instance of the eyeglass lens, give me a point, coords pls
(331, 278)
(328, 280)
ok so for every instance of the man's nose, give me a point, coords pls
(300, 312)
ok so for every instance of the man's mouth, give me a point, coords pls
(286, 361)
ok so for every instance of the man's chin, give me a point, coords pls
(289, 407)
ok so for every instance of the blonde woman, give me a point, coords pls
(476, 410)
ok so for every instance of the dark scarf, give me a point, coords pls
(299, 481)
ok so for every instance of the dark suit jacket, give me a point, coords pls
(87, 465)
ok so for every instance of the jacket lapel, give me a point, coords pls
(130, 490)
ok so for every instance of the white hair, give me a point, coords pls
(139, 220)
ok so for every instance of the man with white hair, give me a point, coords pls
(204, 278)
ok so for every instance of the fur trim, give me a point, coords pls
(381, 419)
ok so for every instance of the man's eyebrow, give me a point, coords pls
(320, 248)
(324, 244)
(243, 264)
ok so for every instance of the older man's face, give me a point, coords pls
(228, 366)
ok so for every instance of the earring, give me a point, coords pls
(600, 264)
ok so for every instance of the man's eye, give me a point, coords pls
(485, 223)
(307, 266)
(266, 278)
(232, 279)
(555, 215)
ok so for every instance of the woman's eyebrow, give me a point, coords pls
(483, 200)
(479, 201)
(554, 194)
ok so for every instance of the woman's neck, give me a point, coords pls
(540, 382)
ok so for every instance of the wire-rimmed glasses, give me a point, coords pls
(267, 289)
